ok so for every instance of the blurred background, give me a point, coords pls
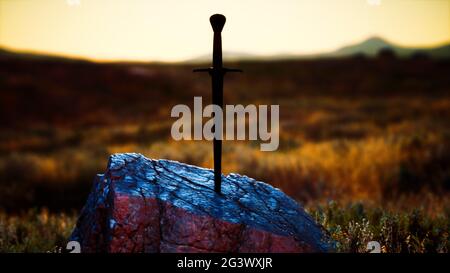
(363, 88)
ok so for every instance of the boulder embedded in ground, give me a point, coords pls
(146, 205)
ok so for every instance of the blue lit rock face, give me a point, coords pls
(146, 205)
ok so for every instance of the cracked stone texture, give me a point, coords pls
(146, 205)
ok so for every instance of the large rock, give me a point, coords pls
(145, 205)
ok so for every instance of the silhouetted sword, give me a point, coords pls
(217, 71)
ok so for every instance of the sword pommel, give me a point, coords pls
(217, 22)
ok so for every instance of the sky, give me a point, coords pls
(176, 30)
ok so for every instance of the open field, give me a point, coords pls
(352, 131)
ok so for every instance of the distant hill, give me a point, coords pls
(372, 46)
(369, 47)
(28, 55)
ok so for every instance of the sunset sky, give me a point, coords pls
(169, 30)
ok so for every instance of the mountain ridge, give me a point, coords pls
(368, 47)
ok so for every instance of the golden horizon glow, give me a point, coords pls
(169, 30)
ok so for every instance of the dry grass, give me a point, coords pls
(398, 157)
(34, 231)
(351, 130)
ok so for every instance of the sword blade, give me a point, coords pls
(217, 86)
(217, 96)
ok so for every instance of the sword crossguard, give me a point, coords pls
(210, 70)
(227, 70)
(202, 69)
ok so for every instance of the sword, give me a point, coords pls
(217, 71)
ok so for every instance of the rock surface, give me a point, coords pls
(145, 205)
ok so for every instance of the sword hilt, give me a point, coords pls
(217, 22)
